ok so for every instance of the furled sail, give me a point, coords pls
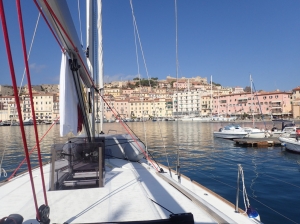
(68, 101)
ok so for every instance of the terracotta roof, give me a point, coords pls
(297, 88)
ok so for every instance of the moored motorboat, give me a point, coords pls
(286, 128)
(28, 122)
(255, 132)
(292, 144)
(230, 132)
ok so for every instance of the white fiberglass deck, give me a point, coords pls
(125, 197)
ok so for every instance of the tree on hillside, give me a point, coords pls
(216, 84)
(136, 78)
(130, 85)
(171, 83)
(145, 82)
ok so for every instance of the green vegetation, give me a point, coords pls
(146, 82)
(130, 85)
(216, 84)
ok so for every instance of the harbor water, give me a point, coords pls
(272, 174)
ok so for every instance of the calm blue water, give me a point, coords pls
(272, 175)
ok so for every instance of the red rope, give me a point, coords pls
(31, 97)
(39, 8)
(76, 50)
(32, 150)
(13, 77)
(73, 45)
(134, 139)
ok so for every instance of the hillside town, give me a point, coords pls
(169, 98)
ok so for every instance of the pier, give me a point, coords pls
(258, 142)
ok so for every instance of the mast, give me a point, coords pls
(91, 60)
(218, 103)
(211, 107)
(252, 101)
(100, 64)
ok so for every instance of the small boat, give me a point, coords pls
(287, 129)
(14, 123)
(187, 118)
(292, 144)
(201, 119)
(255, 132)
(28, 122)
(6, 123)
(231, 132)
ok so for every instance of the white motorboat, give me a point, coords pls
(292, 144)
(28, 122)
(231, 132)
(287, 128)
(98, 178)
(255, 132)
(187, 118)
(201, 119)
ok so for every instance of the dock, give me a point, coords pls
(258, 142)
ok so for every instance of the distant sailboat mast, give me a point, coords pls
(252, 98)
(211, 107)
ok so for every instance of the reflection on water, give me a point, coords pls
(272, 175)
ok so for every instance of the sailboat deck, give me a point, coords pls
(128, 195)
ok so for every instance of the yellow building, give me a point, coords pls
(43, 106)
(296, 102)
(115, 92)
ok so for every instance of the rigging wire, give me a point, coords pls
(249, 196)
(136, 34)
(31, 97)
(177, 123)
(14, 82)
(259, 104)
(29, 52)
(32, 150)
(138, 68)
(218, 158)
(2, 170)
(124, 125)
(49, 26)
(245, 196)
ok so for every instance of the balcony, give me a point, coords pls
(276, 111)
(275, 104)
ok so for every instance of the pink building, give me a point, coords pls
(116, 107)
(276, 104)
(182, 84)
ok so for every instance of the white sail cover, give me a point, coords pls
(68, 101)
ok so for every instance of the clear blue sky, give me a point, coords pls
(227, 40)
